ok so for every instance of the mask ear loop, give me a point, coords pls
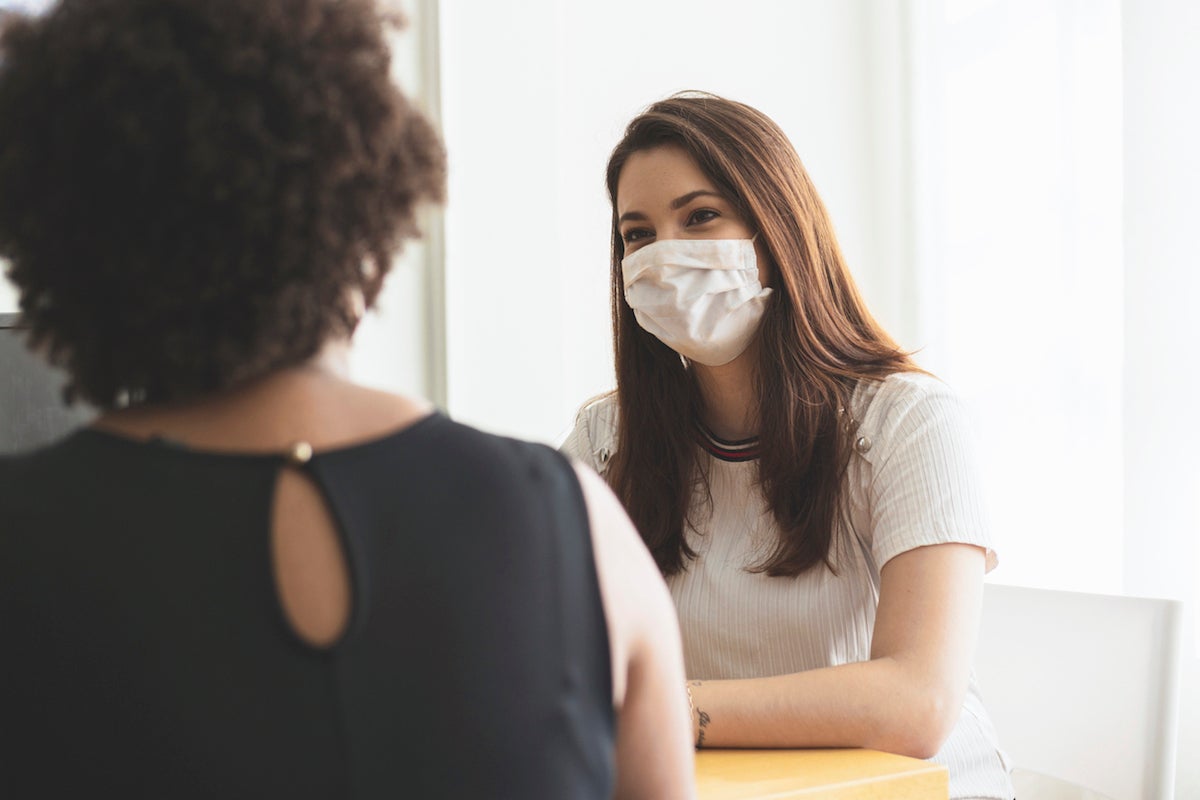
(753, 240)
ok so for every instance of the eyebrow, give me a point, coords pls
(676, 204)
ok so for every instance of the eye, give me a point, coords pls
(701, 216)
(636, 235)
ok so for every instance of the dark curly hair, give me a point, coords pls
(192, 191)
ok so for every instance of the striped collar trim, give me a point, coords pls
(726, 450)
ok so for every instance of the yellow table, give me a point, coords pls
(810, 774)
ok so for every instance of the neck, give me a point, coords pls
(333, 359)
(314, 402)
(729, 406)
(293, 386)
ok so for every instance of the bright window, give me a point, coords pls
(1018, 134)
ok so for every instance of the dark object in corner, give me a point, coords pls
(32, 412)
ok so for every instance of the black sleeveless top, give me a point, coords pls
(144, 652)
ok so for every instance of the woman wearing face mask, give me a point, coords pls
(806, 489)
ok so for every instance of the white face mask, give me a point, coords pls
(700, 297)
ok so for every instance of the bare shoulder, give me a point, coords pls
(383, 408)
(637, 606)
(654, 741)
(622, 557)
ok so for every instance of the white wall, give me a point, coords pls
(1162, 290)
(535, 95)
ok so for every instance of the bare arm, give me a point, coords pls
(654, 752)
(905, 699)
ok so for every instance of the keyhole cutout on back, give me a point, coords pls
(312, 578)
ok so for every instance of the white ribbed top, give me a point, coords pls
(912, 482)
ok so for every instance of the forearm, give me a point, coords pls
(881, 704)
(906, 699)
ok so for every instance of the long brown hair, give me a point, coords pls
(815, 342)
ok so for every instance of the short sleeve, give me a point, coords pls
(592, 439)
(923, 481)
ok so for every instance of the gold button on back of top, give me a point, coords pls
(300, 453)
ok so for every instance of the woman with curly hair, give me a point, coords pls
(807, 490)
(250, 576)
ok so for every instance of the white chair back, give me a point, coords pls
(1083, 688)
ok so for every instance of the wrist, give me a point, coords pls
(693, 713)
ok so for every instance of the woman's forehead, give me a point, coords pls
(657, 176)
